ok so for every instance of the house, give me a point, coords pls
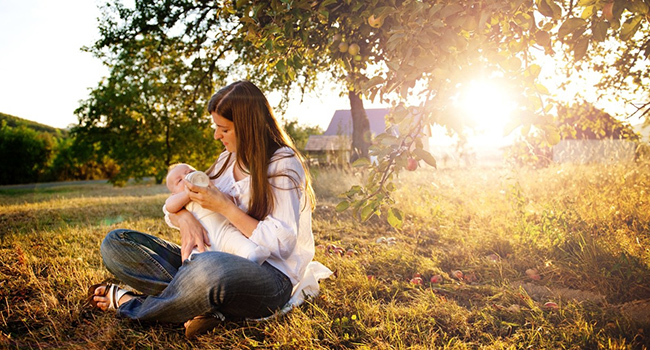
(335, 144)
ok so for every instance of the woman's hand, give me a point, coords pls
(212, 199)
(193, 234)
(209, 197)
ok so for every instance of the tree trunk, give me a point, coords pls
(361, 137)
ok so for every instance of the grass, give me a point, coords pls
(585, 230)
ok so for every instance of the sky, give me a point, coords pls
(44, 74)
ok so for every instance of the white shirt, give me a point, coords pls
(286, 232)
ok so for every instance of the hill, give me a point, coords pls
(14, 121)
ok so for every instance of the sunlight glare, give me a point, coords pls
(489, 108)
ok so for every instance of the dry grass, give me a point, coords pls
(585, 230)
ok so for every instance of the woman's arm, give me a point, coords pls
(279, 230)
(176, 202)
(213, 199)
(193, 234)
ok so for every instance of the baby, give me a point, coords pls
(222, 235)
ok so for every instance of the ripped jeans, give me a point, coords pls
(176, 291)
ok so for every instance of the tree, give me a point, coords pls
(25, 154)
(415, 55)
(300, 133)
(150, 112)
(578, 121)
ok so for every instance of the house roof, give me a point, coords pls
(328, 143)
(341, 123)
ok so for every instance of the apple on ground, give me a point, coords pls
(550, 305)
(533, 274)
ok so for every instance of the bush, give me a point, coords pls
(25, 154)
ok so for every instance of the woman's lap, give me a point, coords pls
(209, 282)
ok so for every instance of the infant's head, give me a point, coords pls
(175, 176)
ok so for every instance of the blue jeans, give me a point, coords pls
(176, 291)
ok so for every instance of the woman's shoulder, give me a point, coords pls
(285, 157)
(283, 152)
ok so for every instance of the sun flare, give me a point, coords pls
(488, 106)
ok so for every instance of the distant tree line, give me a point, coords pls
(578, 121)
(33, 152)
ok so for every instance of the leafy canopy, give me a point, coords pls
(416, 56)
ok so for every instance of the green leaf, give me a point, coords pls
(328, 2)
(638, 7)
(552, 136)
(543, 38)
(395, 218)
(599, 30)
(361, 162)
(342, 206)
(450, 10)
(533, 71)
(544, 8)
(569, 26)
(630, 27)
(588, 12)
(281, 66)
(580, 48)
(426, 157)
(367, 212)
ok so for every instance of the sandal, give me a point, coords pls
(202, 324)
(113, 292)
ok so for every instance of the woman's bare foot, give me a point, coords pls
(102, 298)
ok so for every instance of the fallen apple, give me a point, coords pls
(436, 279)
(416, 280)
(457, 274)
(551, 305)
(533, 274)
(343, 47)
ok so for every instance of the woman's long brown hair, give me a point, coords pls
(258, 137)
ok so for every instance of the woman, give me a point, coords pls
(273, 200)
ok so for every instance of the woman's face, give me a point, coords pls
(224, 130)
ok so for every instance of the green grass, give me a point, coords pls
(585, 229)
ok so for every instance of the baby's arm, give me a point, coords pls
(176, 202)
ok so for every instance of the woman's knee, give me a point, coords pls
(110, 242)
(216, 269)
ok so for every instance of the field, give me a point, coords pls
(557, 258)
